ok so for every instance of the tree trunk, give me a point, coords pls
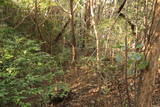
(145, 96)
(73, 32)
(95, 30)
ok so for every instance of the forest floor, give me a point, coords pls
(86, 90)
(85, 86)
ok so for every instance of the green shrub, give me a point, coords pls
(24, 69)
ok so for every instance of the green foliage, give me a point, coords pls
(24, 69)
(58, 91)
(139, 59)
(4, 2)
(106, 90)
(58, 87)
(119, 58)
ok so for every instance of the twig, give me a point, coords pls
(23, 19)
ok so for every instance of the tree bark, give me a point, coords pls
(95, 30)
(73, 32)
(62, 31)
(148, 76)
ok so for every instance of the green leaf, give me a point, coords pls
(136, 56)
(119, 58)
(130, 72)
(139, 46)
(142, 65)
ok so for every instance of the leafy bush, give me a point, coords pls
(59, 92)
(24, 69)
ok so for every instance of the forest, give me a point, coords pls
(79, 53)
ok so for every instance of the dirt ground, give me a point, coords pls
(88, 91)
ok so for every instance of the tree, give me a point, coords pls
(148, 75)
(73, 31)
